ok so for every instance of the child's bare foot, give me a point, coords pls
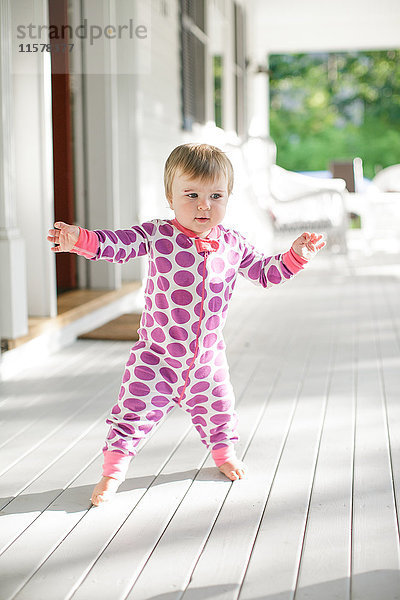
(233, 469)
(104, 490)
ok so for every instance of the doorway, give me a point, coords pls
(63, 167)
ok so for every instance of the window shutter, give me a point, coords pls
(193, 62)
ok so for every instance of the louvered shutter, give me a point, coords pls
(193, 62)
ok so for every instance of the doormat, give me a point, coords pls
(123, 328)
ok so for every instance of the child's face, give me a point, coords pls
(199, 205)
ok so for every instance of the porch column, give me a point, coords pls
(101, 116)
(259, 101)
(258, 77)
(13, 294)
(32, 129)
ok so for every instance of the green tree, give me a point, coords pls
(331, 106)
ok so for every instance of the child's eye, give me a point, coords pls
(192, 195)
(215, 196)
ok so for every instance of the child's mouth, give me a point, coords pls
(202, 219)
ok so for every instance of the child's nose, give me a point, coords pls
(203, 203)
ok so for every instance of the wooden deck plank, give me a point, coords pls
(326, 555)
(375, 560)
(26, 391)
(87, 541)
(74, 408)
(389, 351)
(129, 550)
(50, 582)
(226, 554)
(75, 446)
(228, 546)
(273, 564)
(25, 508)
(30, 550)
(45, 391)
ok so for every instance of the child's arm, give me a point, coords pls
(113, 246)
(274, 270)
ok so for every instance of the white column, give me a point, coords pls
(101, 113)
(32, 128)
(229, 67)
(13, 299)
(258, 103)
(257, 74)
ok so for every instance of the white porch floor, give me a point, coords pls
(316, 369)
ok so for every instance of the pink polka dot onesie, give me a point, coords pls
(180, 356)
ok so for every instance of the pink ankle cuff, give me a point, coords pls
(87, 244)
(223, 454)
(293, 261)
(115, 464)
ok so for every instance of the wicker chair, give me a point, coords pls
(295, 202)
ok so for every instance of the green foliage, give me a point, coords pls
(218, 73)
(327, 107)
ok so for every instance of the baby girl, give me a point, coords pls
(193, 263)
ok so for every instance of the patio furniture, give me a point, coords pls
(388, 180)
(349, 170)
(296, 202)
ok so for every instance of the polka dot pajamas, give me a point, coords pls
(180, 356)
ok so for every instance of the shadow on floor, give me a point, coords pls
(77, 499)
(373, 585)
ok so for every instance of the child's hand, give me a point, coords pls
(307, 245)
(64, 235)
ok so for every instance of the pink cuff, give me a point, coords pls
(293, 261)
(115, 464)
(223, 454)
(87, 244)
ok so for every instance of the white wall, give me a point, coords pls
(158, 109)
(149, 126)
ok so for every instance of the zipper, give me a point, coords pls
(206, 254)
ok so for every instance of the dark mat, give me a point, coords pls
(123, 328)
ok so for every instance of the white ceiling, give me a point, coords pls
(280, 26)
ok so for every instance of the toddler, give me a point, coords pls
(193, 263)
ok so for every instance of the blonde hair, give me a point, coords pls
(200, 161)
